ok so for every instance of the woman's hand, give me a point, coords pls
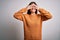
(28, 7)
(37, 8)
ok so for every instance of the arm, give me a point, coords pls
(18, 15)
(45, 14)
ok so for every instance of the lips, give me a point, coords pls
(33, 10)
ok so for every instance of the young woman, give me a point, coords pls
(32, 20)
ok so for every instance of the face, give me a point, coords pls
(33, 8)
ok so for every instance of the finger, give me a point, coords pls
(29, 7)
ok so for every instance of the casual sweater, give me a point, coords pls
(32, 23)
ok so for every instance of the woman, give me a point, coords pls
(32, 20)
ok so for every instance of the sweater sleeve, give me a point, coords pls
(45, 15)
(19, 15)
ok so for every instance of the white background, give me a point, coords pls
(12, 29)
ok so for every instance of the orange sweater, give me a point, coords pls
(32, 23)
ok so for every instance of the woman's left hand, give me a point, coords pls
(37, 8)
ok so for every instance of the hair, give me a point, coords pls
(29, 12)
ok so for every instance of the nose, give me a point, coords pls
(33, 7)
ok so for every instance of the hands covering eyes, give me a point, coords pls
(32, 6)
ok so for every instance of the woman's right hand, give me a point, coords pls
(28, 7)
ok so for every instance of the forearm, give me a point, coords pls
(45, 13)
(23, 10)
(18, 15)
